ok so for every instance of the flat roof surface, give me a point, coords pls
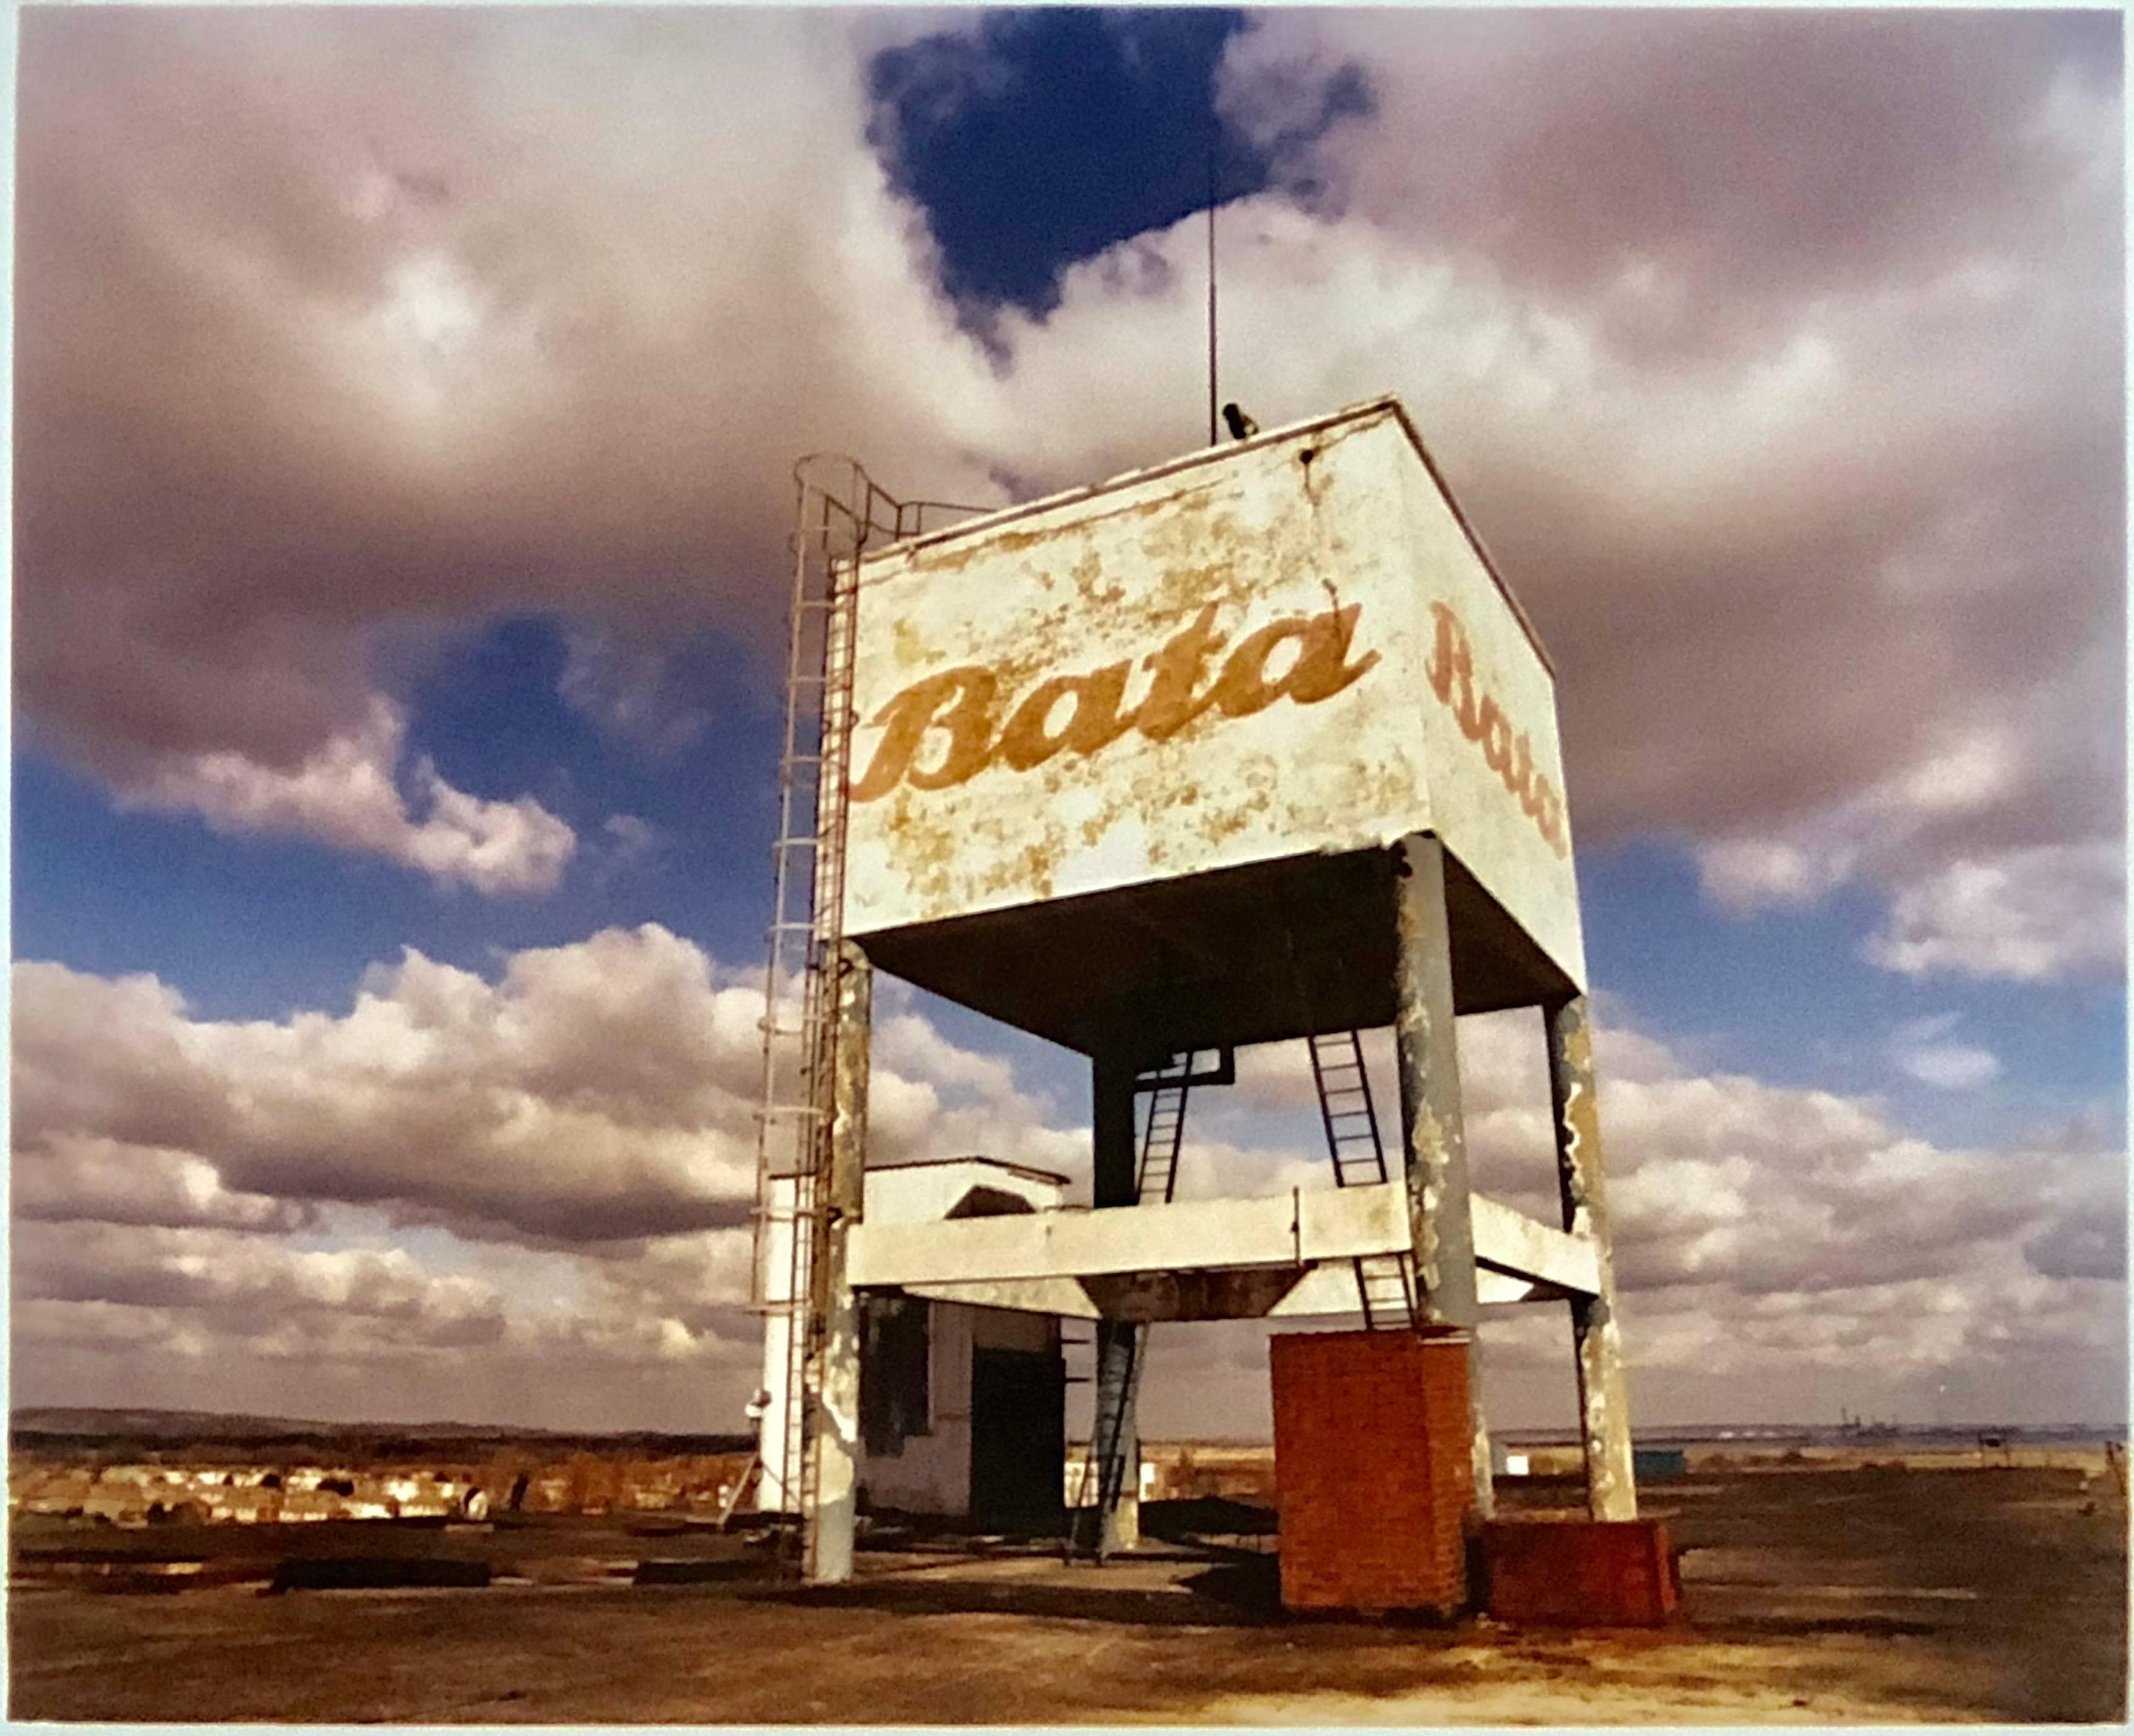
(1865, 1589)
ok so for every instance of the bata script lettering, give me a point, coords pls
(1082, 714)
(1451, 673)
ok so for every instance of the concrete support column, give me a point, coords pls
(835, 1427)
(1116, 1437)
(1484, 1458)
(1611, 1491)
(1434, 1141)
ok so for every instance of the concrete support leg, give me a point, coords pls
(1433, 1136)
(1611, 1490)
(1120, 1344)
(1484, 1459)
(836, 1429)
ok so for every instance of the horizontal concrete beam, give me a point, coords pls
(1324, 1290)
(1327, 1289)
(1296, 1228)
(1520, 1246)
(1023, 1259)
(1500, 1290)
(1331, 1289)
(1026, 1295)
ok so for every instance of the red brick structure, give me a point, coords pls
(1590, 1573)
(1374, 1474)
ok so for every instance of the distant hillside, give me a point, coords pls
(85, 1425)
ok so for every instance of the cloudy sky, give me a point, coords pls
(403, 407)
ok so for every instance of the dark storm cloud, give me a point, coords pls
(329, 319)
(1776, 354)
(1763, 158)
(1927, 204)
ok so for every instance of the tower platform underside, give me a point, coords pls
(1270, 951)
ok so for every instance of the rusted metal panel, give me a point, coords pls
(1224, 661)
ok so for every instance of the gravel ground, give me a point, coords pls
(1813, 1594)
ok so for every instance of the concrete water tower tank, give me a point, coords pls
(1254, 744)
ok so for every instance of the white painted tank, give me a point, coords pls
(1285, 647)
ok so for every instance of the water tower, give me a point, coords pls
(1255, 744)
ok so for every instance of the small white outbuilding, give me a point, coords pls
(962, 1409)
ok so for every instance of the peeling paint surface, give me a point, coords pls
(1220, 662)
(835, 1434)
(1487, 704)
(1426, 1051)
(1604, 1403)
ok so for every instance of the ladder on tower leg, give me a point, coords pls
(1105, 1466)
(1385, 1283)
(1166, 1085)
(839, 513)
(803, 942)
(1155, 1181)
(1164, 1130)
(1079, 1476)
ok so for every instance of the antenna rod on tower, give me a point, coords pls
(1211, 296)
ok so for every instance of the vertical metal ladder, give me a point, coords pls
(1167, 1085)
(1156, 1180)
(1164, 1130)
(1105, 1473)
(1385, 1282)
(838, 511)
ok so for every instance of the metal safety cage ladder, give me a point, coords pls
(838, 512)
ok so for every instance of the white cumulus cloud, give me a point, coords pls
(2033, 915)
(347, 792)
